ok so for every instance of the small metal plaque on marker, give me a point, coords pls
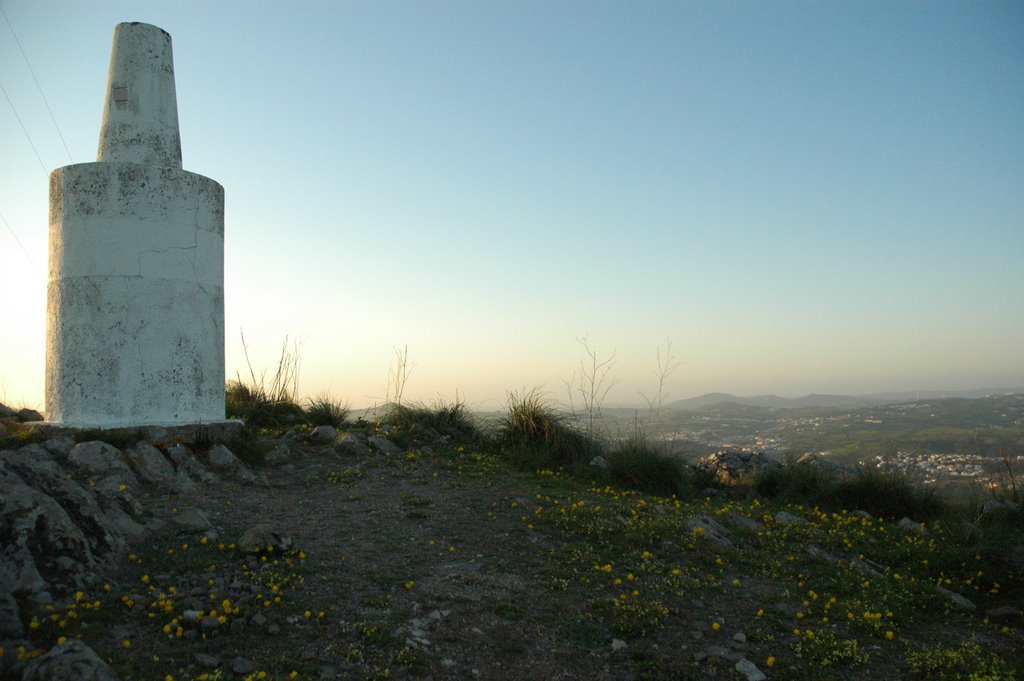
(119, 93)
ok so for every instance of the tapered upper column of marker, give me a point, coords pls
(140, 115)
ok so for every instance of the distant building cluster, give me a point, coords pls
(864, 431)
(945, 468)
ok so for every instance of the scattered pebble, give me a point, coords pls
(206, 661)
(750, 670)
(241, 665)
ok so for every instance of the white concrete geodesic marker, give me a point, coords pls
(135, 300)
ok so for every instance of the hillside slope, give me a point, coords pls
(439, 561)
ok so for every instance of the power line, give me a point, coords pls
(22, 246)
(38, 86)
(25, 130)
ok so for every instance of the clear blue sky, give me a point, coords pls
(803, 196)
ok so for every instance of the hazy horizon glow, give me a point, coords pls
(804, 197)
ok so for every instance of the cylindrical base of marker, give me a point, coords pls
(135, 301)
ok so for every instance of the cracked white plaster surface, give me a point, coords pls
(135, 299)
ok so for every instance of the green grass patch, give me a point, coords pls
(263, 402)
(644, 465)
(887, 494)
(533, 433)
(347, 477)
(452, 419)
(965, 662)
(260, 408)
(14, 435)
(323, 410)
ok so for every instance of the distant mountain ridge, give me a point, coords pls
(835, 401)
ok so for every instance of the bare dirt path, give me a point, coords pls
(410, 560)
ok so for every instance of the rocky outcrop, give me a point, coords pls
(324, 434)
(185, 461)
(71, 660)
(383, 444)
(150, 464)
(997, 508)
(712, 530)
(829, 468)
(39, 538)
(278, 455)
(730, 466)
(263, 538)
(353, 443)
(23, 415)
(69, 511)
(222, 459)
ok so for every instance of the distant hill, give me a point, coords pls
(776, 402)
(833, 401)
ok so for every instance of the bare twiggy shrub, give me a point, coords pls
(667, 365)
(1008, 486)
(589, 385)
(398, 376)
